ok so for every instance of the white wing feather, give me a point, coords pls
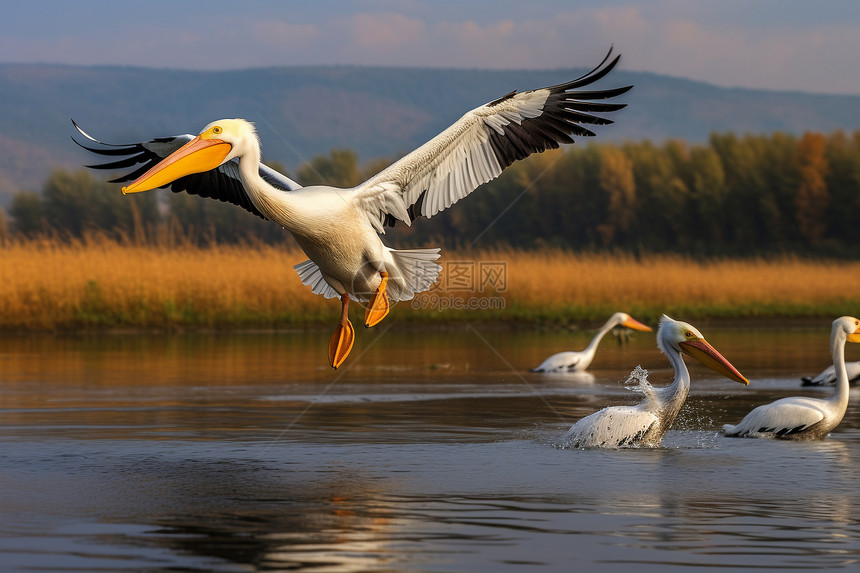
(784, 416)
(827, 377)
(561, 362)
(311, 275)
(478, 146)
(448, 167)
(612, 427)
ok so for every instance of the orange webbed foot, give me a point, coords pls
(379, 304)
(341, 343)
(343, 338)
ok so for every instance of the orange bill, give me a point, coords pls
(196, 156)
(708, 355)
(635, 324)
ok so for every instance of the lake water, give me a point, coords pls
(430, 450)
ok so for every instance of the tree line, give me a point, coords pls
(736, 195)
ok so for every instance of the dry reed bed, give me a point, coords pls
(100, 283)
(48, 284)
(670, 281)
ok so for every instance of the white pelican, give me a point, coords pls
(798, 417)
(338, 229)
(579, 361)
(828, 376)
(645, 423)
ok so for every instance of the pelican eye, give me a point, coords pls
(216, 130)
(688, 334)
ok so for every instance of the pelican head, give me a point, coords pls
(220, 141)
(848, 325)
(624, 319)
(683, 338)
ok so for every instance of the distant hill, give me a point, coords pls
(301, 112)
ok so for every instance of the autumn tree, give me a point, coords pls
(4, 228)
(812, 198)
(843, 185)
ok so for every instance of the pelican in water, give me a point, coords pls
(798, 417)
(646, 423)
(578, 361)
(338, 229)
(828, 376)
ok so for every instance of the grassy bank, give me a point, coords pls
(98, 283)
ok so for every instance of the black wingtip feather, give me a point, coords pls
(94, 140)
(565, 114)
(118, 150)
(122, 163)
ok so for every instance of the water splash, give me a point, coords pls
(639, 376)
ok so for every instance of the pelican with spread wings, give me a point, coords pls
(339, 229)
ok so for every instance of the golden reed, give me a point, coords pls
(98, 282)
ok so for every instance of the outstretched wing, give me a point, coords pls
(221, 183)
(482, 143)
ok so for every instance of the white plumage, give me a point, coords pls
(338, 229)
(827, 377)
(802, 418)
(577, 361)
(620, 426)
(646, 423)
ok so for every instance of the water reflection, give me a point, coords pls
(657, 514)
(217, 452)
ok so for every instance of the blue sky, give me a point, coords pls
(773, 44)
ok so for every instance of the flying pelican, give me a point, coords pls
(338, 229)
(579, 361)
(645, 423)
(828, 376)
(798, 417)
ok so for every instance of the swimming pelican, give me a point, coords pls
(338, 229)
(799, 417)
(579, 361)
(828, 376)
(645, 423)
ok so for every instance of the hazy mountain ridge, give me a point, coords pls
(301, 112)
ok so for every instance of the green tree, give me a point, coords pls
(28, 213)
(340, 169)
(617, 183)
(706, 180)
(662, 195)
(75, 203)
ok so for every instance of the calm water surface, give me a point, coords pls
(429, 451)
